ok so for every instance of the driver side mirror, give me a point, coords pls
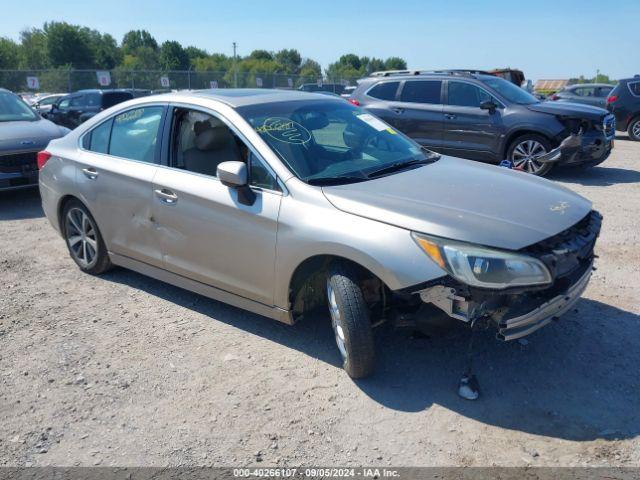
(488, 105)
(234, 175)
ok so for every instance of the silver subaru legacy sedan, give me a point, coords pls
(280, 202)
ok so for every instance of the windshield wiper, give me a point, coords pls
(394, 167)
(327, 181)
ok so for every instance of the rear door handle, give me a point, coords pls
(166, 196)
(90, 172)
(398, 110)
(449, 116)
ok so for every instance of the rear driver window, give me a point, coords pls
(135, 133)
(421, 91)
(384, 91)
(132, 135)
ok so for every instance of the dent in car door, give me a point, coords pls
(118, 190)
(207, 235)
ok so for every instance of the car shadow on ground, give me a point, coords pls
(574, 379)
(600, 176)
(20, 204)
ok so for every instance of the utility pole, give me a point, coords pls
(235, 66)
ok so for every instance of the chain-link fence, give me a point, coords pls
(65, 80)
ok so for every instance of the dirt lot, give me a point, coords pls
(125, 370)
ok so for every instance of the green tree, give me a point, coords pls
(68, 45)
(395, 63)
(173, 56)
(289, 59)
(33, 49)
(9, 53)
(146, 58)
(310, 70)
(106, 52)
(216, 62)
(194, 53)
(261, 55)
(136, 39)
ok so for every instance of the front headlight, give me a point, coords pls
(483, 267)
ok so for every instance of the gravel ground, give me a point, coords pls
(124, 370)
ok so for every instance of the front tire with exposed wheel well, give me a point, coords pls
(83, 238)
(350, 319)
(524, 149)
(634, 129)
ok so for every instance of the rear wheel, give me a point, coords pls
(634, 129)
(84, 240)
(350, 321)
(524, 150)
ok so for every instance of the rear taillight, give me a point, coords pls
(354, 101)
(555, 97)
(612, 98)
(42, 158)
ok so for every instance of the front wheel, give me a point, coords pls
(350, 321)
(634, 129)
(524, 150)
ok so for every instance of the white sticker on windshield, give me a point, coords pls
(373, 122)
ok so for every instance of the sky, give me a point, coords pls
(544, 38)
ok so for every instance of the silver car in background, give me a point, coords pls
(280, 202)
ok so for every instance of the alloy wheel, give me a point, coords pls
(525, 153)
(635, 129)
(81, 237)
(338, 331)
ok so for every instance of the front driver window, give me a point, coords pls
(466, 95)
(201, 142)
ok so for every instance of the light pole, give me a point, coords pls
(235, 66)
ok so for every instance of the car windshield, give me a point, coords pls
(13, 109)
(333, 142)
(510, 91)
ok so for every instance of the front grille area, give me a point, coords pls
(19, 163)
(570, 249)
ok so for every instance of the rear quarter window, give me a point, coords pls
(635, 88)
(384, 90)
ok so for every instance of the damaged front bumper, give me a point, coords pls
(586, 147)
(518, 312)
(522, 325)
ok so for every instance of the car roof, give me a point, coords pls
(240, 97)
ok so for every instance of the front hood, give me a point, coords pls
(17, 136)
(568, 109)
(466, 201)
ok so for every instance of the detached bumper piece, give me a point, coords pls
(517, 327)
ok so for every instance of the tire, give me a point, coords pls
(634, 129)
(350, 321)
(83, 239)
(520, 149)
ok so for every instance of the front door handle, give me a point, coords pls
(166, 196)
(398, 110)
(90, 172)
(450, 116)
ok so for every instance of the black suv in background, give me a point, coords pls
(479, 116)
(624, 103)
(75, 108)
